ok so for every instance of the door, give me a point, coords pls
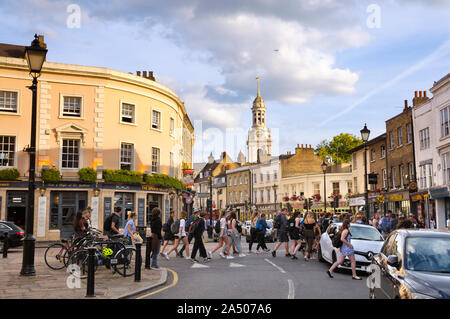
(63, 209)
(16, 207)
(153, 200)
(126, 202)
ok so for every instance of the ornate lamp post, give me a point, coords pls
(324, 170)
(35, 56)
(365, 132)
(210, 233)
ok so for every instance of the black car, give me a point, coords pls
(413, 264)
(15, 234)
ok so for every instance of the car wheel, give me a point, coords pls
(319, 254)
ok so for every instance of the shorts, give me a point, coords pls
(283, 237)
(294, 235)
(169, 236)
(176, 237)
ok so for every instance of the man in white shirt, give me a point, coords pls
(448, 223)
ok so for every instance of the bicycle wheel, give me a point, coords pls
(56, 256)
(78, 263)
(125, 260)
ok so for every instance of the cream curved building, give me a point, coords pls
(88, 117)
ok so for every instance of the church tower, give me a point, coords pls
(259, 142)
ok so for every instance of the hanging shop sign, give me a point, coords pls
(373, 179)
(357, 201)
(188, 177)
(380, 199)
(439, 193)
(396, 198)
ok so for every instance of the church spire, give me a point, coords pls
(259, 92)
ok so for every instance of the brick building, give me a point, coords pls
(239, 190)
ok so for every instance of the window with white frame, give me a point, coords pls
(240, 197)
(156, 120)
(408, 133)
(235, 180)
(275, 175)
(354, 161)
(268, 176)
(126, 156)
(445, 129)
(7, 150)
(336, 189)
(424, 137)
(383, 151)
(155, 159)
(261, 177)
(411, 171)
(172, 165)
(391, 139)
(316, 188)
(128, 113)
(254, 179)
(245, 179)
(400, 136)
(9, 101)
(446, 167)
(240, 179)
(255, 197)
(384, 173)
(268, 195)
(393, 177)
(426, 175)
(261, 192)
(72, 106)
(172, 126)
(372, 155)
(402, 174)
(349, 187)
(355, 184)
(70, 153)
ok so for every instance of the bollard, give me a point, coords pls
(5, 246)
(148, 251)
(91, 273)
(137, 268)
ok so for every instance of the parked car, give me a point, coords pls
(365, 239)
(270, 235)
(16, 234)
(415, 264)
(246, 228)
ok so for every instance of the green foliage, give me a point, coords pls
(338, 147)
(9, 174)
(122, 176)
(87, 174)
(51, 175)
(164, 180)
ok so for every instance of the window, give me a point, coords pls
(384, 173)
(240, 197)
(424, 137)
(261, 192)
(7, 150)
(355, 182)
(354, 161)
(254, 179)
(336, 190)
(393, 177)
(156, 120)
(316, 188)
(231, 182)
(400, 136)
(383, 151)
(401, 170)
(446, 167)
(349, 187)
(70, 155)
(268, 195)
(235, 180)
(128, 113)
(268, 176)
(8, 101)
(172, 165)
(372, 155)
(126, 156)
(255, 197)
(391, 139)
(445, 130)
(261, 177)
(411, 171)
(240, 179)
(408, 133)
(172, 126)
(275, 175)
(426, 175)
(155, 159)
(245, 179)
(71, 106)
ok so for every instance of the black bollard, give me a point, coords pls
(148, 250)
(5, 246)
(137, 269)
(91, 273)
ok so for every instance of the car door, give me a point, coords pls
(327, 250)
(385, 290)
(3, 230)
(395, 275)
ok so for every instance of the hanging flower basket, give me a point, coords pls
(316, 197)
(294, 198)
(286, 198)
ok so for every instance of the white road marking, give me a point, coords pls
(291, 289)
(197, 265)
(236, 265)
(277, 267)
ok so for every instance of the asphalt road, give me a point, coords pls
(255, 276)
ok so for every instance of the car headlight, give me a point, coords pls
(416, 295)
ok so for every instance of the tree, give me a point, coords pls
(338, 147)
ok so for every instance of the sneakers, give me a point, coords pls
(235, 252)
(155, 267)
(306, 258)
(274, 253)
(250, 252)
(288, 255)
(230, 257)
(209, 255)
(222, 255)
(241, 255)
(165, 255)
(293, 257)
(193, 260)
(179, 255)
(257, 252)
(205, 260)
(188, 257)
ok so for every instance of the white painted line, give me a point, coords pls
(197, 265)
(291, 289)
(236, 265)
(277, 267)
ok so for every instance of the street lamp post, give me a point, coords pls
(210, 204)
(365, 132)
(324, 170)
(35, 56)
(275, 187)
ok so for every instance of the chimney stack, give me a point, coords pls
(144, 74)
(138, 73)
(419, 97)
(415, 94)
(424, 93)
(420, 94)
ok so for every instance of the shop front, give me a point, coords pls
(356, 203)
(423, 207)
(399, 203)
(441, 196)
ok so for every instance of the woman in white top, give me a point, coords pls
(180, 236)
(223, 238)
(253, 232)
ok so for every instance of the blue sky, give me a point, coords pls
(210, 52)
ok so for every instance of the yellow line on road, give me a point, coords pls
(174, 283)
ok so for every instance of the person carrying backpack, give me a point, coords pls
(195, 215)
(112, 222)
(180, 236)
(385, 224)
(168, 235)
(261, 227)
(280, 223)
(197, 229)
(233, 234)
(223, 238)
(253, 231)
(294, 233)
(346, 250)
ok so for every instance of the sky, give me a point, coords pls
(326, 66)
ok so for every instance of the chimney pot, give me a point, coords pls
(298, 145)
(144, 74)
(406, 104)
(138, 73)
(424, 93)
(310, 146)
(415, 94)
(420, 93)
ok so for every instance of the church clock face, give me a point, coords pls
(259, 133)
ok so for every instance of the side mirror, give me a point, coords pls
(393, 261)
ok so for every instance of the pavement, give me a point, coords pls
(52, 284)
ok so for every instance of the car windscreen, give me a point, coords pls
(365, 233)
(428, 254)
